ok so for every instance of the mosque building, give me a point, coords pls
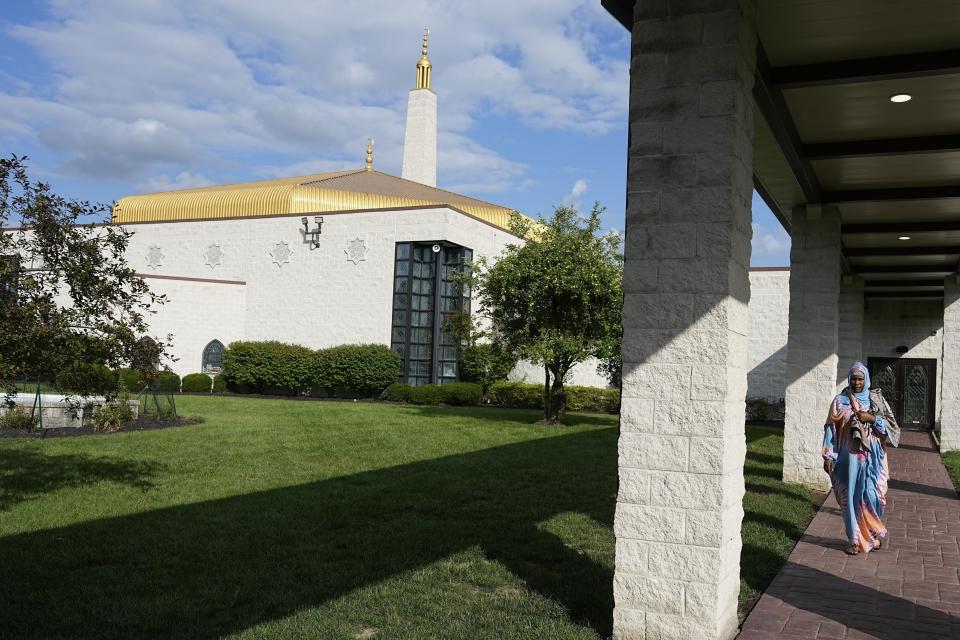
(346, 257)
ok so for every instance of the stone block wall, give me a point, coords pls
(812, 342)
(769, 314)
(950, 392)
(916, 324)
(686, 320)
(850, 329)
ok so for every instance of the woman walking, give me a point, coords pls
(855, 457)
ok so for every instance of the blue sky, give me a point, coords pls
(114, 97)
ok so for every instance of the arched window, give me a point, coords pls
(213, 357)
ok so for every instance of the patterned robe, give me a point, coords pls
(860, 473)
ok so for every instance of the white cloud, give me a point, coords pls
(183, 180)
(770, 244)
(572, 199)
(155, 88)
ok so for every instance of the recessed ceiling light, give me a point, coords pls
(901, 97)
(904, 237)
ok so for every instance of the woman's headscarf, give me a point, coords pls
(864, 396)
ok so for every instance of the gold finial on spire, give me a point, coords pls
(369, 154)
(423, 65)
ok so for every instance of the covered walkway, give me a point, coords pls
(908, 590)
(843, 116)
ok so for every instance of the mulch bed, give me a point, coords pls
(143, 423)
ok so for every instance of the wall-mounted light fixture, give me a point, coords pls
(312, 235)
(902, 349)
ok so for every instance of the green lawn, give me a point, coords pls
(283, 519)
(951, 460)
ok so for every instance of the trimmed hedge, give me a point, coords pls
(268, 367)
(426, 394)
(592, 399)
(348, 370)
(219, 384)
(462, 394)
(168, 381)
(130, 380)
(356, 369)
(196, 383)
(397, 392)
(530, 396)
(87, 379)
(517, 394)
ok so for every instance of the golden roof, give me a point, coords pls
(353, 190)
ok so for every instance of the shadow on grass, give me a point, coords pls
(26, 474)
(209, 569)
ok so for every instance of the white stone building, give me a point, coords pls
(346, 257)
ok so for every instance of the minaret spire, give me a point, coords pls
(420, 136)
(369, 154)
(423, 64)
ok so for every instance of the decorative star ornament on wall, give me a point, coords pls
(281, 253)
(357, 251)
(155, 257)
(213, 255)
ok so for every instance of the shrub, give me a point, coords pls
(592, 399)
(87, 379)
(168, 381)
(517, 394)
(111, 416)
(427, 394)
(17, 418)
(530, 396)
(758, 409)
(130, 380)
(356, 369)
(485, 364)
(196, 383)
(397, 392)
(269, 367)
(462, 394)
(219, 384)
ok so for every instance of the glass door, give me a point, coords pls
(910, 386)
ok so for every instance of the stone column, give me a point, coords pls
(686, 320)
(950, 383)
(811, 341)
(850, 332)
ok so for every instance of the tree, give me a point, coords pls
(69, 303)
(557, 298)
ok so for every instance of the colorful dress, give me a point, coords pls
(860, 472)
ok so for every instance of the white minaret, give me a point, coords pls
(420, 138)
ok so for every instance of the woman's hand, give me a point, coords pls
(866, 417)
(828, 465)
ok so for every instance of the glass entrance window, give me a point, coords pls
(909, 386)
(424, 296)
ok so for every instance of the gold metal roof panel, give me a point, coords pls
(355, 190)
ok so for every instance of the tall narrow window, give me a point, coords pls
(212, 357)
(424, 295)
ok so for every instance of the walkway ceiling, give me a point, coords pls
(828, 133)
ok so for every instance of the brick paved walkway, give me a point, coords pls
(909, 590)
